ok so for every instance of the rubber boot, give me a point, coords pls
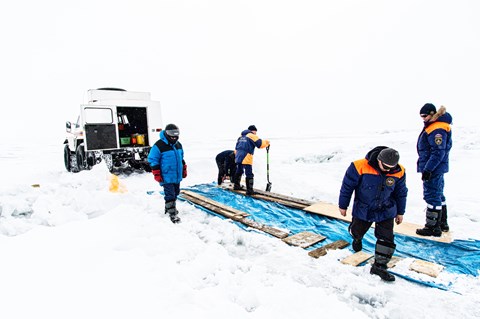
(443, 220)
(249, 181)
(356, 243)
(383, 253)
(236, 181)
(432, 225)
(171, 210)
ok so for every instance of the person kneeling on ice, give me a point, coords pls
(244, 149)
(380, 189)
(169, 167)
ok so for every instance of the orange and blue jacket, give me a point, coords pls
(378, 195)
(245, 147)
(434, 144)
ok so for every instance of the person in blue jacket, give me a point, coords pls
(433, 147)
(226, 165)
(379, 183)
(244, 149)
(169, 167)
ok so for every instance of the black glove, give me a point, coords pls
(426, 176)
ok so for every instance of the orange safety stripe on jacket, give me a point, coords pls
(363, 167)
(437, 125)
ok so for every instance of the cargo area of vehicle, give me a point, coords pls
(132, 126)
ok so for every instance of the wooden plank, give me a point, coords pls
(328, 210)
(405, 228)
(267, 229)
(251, 223)
(231, 213)
(426, 267)
(275, 232)
(322, 251)
(214, 203)
(304, 239)
(409, 229)
(357, 258)
(273, 197)
(284, 197)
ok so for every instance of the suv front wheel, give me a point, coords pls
(82, 163)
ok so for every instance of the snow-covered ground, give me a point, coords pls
(71, 248)
(325, 81)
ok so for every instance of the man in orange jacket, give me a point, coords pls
(244, 149)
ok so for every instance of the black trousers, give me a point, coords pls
(221, 169)
(383, 230)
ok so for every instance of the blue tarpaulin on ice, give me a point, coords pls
(460, 256)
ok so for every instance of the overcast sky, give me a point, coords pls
(219, 66)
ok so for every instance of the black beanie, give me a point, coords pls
(252, 128)
(428, 109)
(389, 156)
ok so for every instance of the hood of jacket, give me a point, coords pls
(441, 116)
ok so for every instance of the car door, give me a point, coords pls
(100, 126)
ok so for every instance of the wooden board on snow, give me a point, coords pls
(304, 239)
(231, 213)
(405, 228)
(267, 229)
(426, 267)
(273, 197)
(217, 207)
(420, 266)
(322, 251)
(357, 258)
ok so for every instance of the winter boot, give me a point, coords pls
(443, 220)
(236, 182)
(171, 210)
(432, 225)
(249, 181)
(383, 253)
(381, 271)
(356, 243)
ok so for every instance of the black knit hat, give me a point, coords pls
(428, 109)
(389, 156)
(252, 128)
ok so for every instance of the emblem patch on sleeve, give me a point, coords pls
(390, 181)
(438, 139)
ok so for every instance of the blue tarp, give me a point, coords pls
(460, 256)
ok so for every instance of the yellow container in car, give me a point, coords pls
(141, 139)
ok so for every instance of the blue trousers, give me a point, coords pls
(245, 167)
(171, 191)
(433, 191)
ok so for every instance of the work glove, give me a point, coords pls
(184, 173)
(157, 174)
(426, 176)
